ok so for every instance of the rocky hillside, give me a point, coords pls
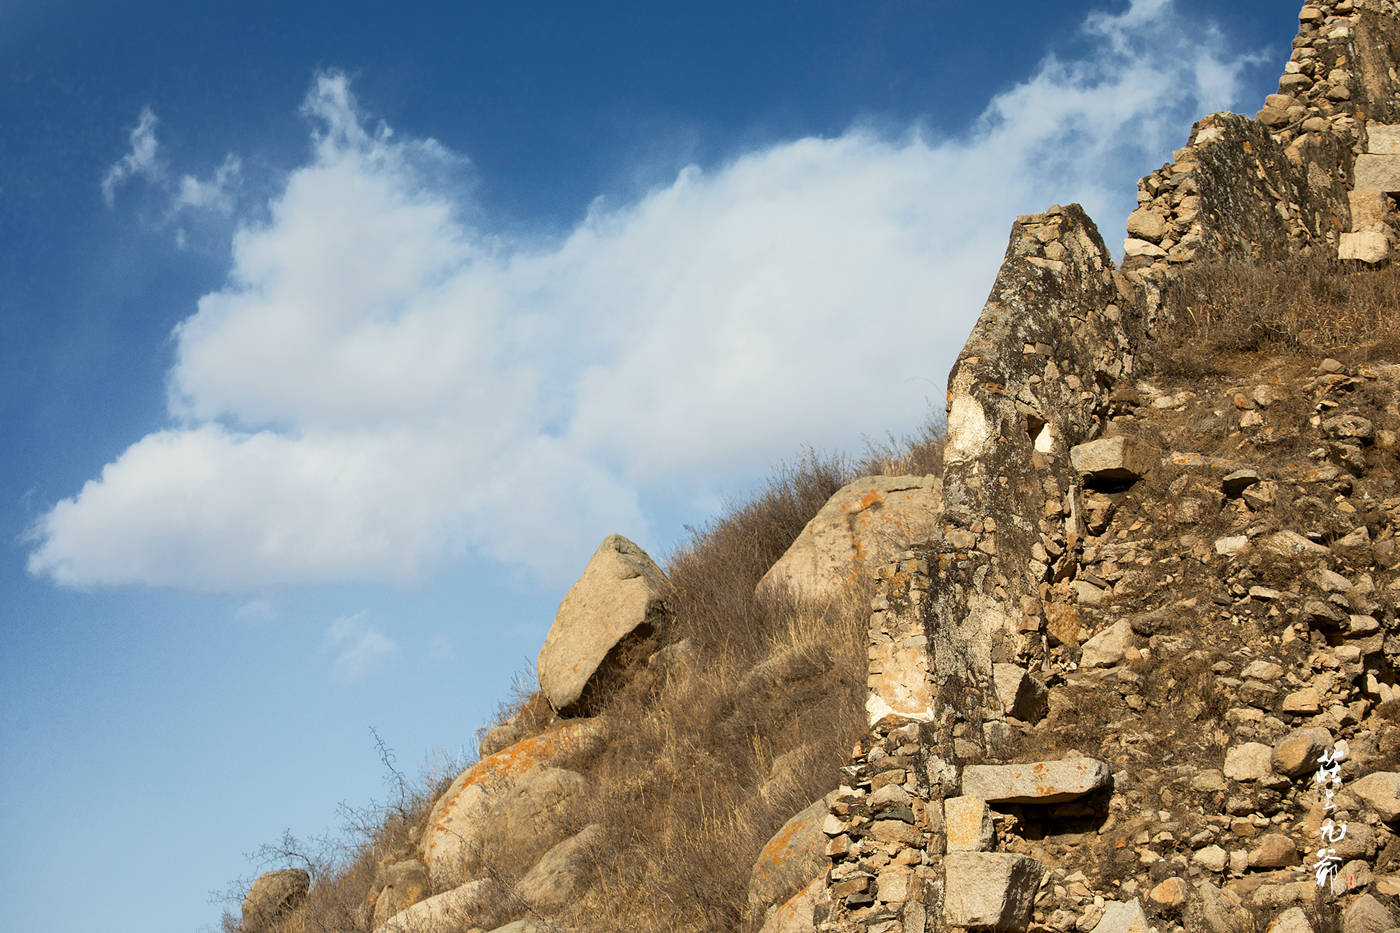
(1121, 655)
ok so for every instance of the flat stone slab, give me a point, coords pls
(1113, 458)
(1036, 781)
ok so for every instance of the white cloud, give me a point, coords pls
(382, 385)
(140, 160)
(359, 647)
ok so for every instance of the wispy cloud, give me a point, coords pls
(384, 382)
(140, 160)
(359, 647)
(143, 160)
(256, 610)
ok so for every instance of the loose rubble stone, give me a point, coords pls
(1170, 893)
(1021, 694)
(1296, 753)
(1274, 850)
(1108, 647)
(1368, 246)
(1292, 920)
(1381, 790)
(1250, 761)
(990, 890)
(1036, 781)
(622, 591)
(1212, 858)
(1367, 915)
(1120, 917)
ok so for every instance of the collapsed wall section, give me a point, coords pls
(1033, 380)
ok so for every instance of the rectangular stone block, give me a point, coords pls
(1383, 139)
(1378, 172)
(990, 890)
(1367, 207)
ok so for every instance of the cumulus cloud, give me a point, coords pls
(359, 647)
(385, 382)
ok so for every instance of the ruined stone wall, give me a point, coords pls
(980, 603)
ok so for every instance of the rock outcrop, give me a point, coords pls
(518, 793)
(272, 896)
(622, 594)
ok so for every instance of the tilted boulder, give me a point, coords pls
(273, 895)
(793, 855)
(515, 790)
(621, 592)
(864, 525)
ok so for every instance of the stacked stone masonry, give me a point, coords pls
(1008, 590)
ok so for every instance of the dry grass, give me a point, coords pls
(1220, 309)
(708, 752)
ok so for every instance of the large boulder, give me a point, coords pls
(564, 873)
(864, 525)
(798, 913)
(790, 858)
(273, 895)
(622, 591)
(515, 791)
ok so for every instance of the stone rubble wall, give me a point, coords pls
(1037, 376)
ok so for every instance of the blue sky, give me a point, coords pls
(334, 338)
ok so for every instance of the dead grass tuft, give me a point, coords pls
(1224, 308)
